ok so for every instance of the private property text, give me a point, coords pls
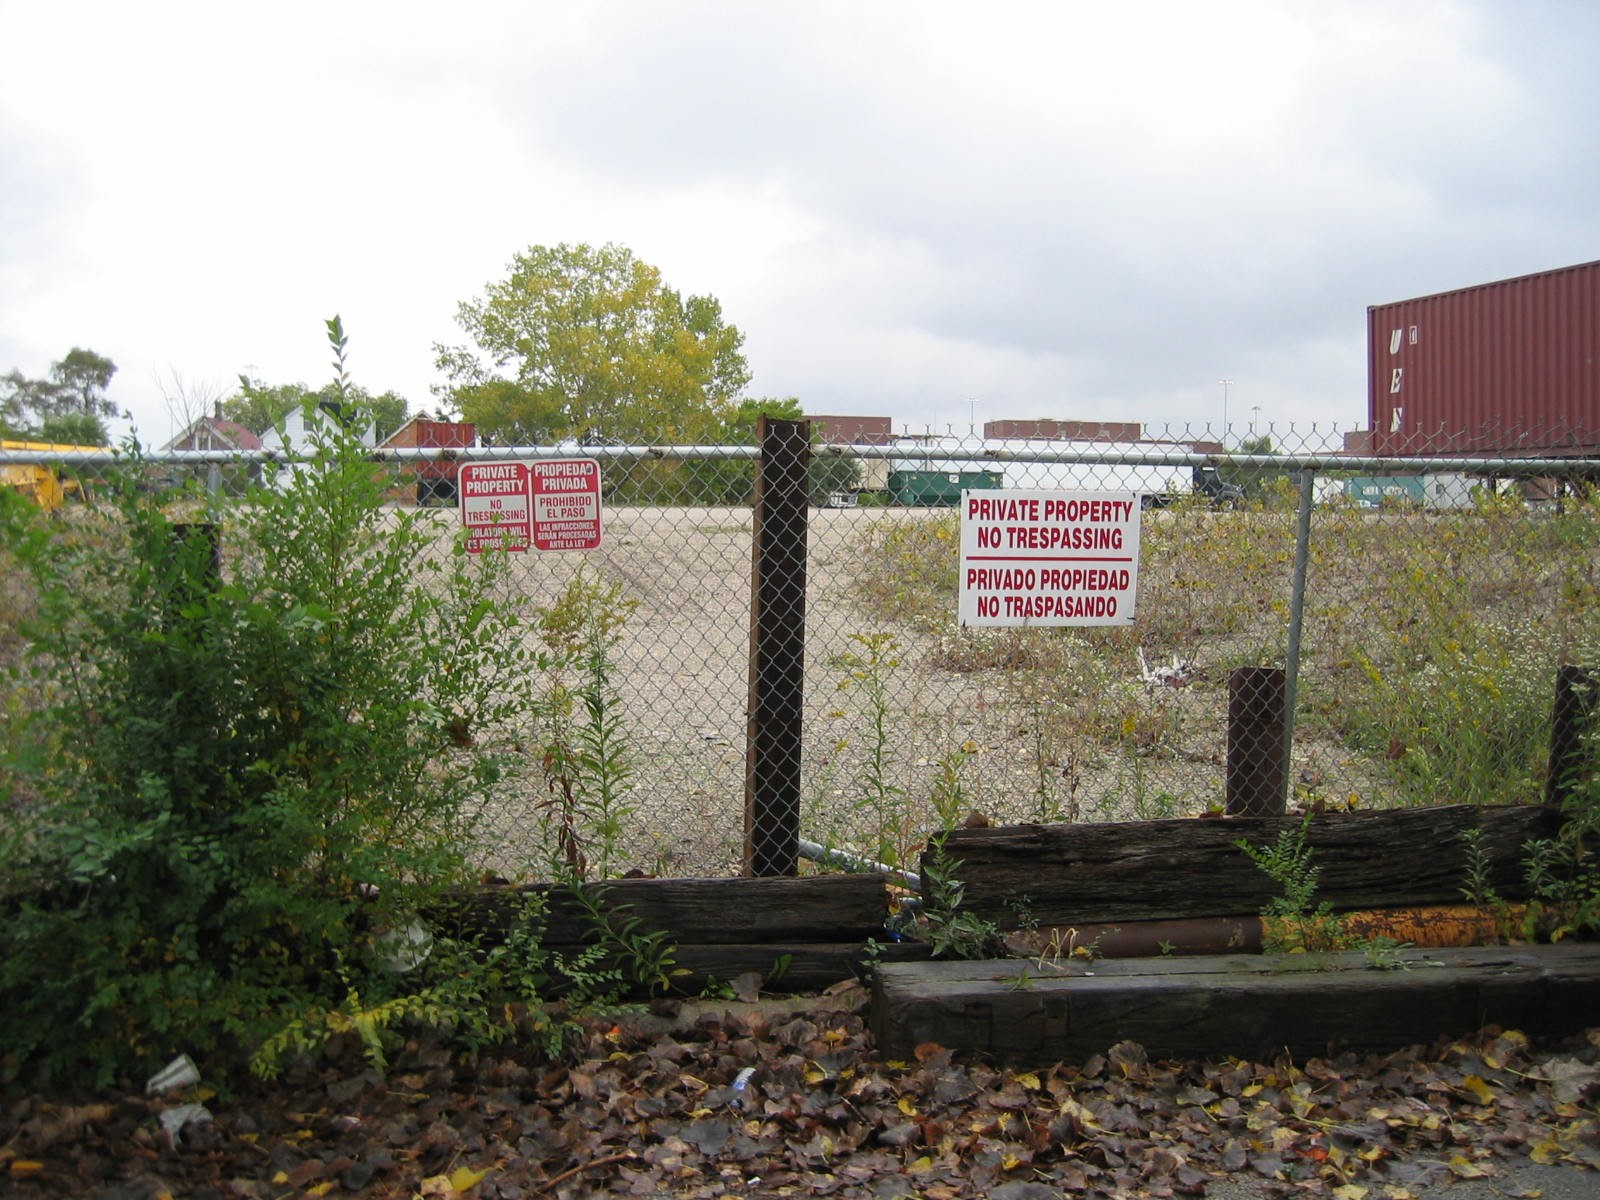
(1037, 557)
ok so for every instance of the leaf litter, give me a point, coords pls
(639, 1110)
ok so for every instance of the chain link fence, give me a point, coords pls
(1413, 614)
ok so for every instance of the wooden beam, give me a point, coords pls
(1250, 1006)
(771, 912)
(1154, 870)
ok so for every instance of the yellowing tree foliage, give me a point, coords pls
(588, 343)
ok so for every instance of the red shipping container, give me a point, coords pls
(1504, 368)
(435, 479)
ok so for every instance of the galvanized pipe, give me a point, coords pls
(828, 856)
(1297, 613)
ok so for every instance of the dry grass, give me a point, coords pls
(1431, 642)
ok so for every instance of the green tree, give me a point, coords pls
(77, 384)
(1257, 482)
(82, 378)
(261, 406)
(734, 482)
(587, 343)
(21, 399)
(75, 429)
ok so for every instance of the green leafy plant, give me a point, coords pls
(1292, 923)
(587, 755)
(1385, 954)
(621, 956)
(948, 796)
(878, 803)
(953, 932)
(1479, 887)
(870, 959)
(251, 739)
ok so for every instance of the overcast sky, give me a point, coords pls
(937, 212)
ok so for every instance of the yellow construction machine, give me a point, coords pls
(47, 485)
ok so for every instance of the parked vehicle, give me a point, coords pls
(1206, 481)
(46, 485)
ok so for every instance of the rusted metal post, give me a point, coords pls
(1577, 703)
(777, 650)
(1258, 737)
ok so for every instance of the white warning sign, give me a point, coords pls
(1048, 558)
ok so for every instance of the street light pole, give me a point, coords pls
(1226, 384)
(972, 415)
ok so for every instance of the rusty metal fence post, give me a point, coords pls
(1258, 742)
(777, 650)
(1577, 704)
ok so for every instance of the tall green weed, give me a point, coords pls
(222, 785)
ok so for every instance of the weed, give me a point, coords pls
(1479, 888)
(1290, 923)
(1385, 954)
(877, 800)
(1022, 909)
(620, 956)
(587, 756)
(1022, 981)
(948, 796)
(226, 779)
(871, 958)
(954, 932)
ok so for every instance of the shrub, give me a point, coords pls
(224, 783)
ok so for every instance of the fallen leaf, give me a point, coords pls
(464, 1179)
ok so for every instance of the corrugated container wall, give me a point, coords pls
(1511, 367)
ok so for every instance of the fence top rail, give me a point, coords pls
(1507, 467)
(392, 454)
(980, 453)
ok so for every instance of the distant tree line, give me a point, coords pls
(69, 405)
(578, 344)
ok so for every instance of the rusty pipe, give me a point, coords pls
(1432, 926)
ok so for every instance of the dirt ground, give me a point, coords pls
(683, 679)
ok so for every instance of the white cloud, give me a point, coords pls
(1063, 210)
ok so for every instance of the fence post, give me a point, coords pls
(777, 649)
(1577, 704)
(1258, 736)
(1297, 613)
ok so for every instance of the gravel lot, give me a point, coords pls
(684, 677)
